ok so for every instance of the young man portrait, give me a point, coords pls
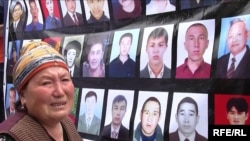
(115, 129)
(193, 50)
(237, 111)
(88, 121)
(96, 10)
(123, 64)
(156, 45)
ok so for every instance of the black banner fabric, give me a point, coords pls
(157, 70)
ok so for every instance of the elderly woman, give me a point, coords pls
(46, 93)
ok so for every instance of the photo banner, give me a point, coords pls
(144, 69)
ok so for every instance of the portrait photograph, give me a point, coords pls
(225, 26)
(143, 96)
(11, 96)
(13, 53)
(129, 96)
(17, 18)
(51, 13)
(35, 15)
(235, 107)
(96, 11)
(68, 8)
(94, 54)
(167, 57)
(72, 51)
(160, 6)
(189, 4)
(182, 53)
(91, 103)
(202, 102)
(128, 9)
(233, 51)
(123, 53)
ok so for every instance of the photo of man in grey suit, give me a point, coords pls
(89, 122)
(235, 64)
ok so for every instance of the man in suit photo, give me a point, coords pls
(235, 64)
(12, 99)
(89, 122)
(18, 22)
(115, 130)
(187, 117)
(157, 44)
(72, 18)
(72, 51)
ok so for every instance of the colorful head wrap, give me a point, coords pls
(34, 57)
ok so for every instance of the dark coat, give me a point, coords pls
(69, 22)
(242, 71)
(175, 137)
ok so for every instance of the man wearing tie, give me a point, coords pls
(89, 122)
(72, 18)
(235, 64)
(71, 52)
(12, 99)
(116, 130)
(18, 22)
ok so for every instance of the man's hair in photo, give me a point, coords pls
(91, 93)
(238, 20)
(119, 98)
(76, 45)
(12, 89)
(126, 35)
(198, 24)
(188, 100)
(93, 40)
(239, 103)
(30, 1)
(16, 4)
(154, 99)
(157, 33)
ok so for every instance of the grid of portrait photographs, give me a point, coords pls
(143, 69)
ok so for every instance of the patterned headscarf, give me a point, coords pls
(34, 57)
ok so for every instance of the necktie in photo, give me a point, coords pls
(15, 26)
(231, 69)
(114, 135)
(88, 122)
(75, 20)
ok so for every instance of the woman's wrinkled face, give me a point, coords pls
(49, 94)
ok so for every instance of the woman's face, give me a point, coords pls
(48, 95)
